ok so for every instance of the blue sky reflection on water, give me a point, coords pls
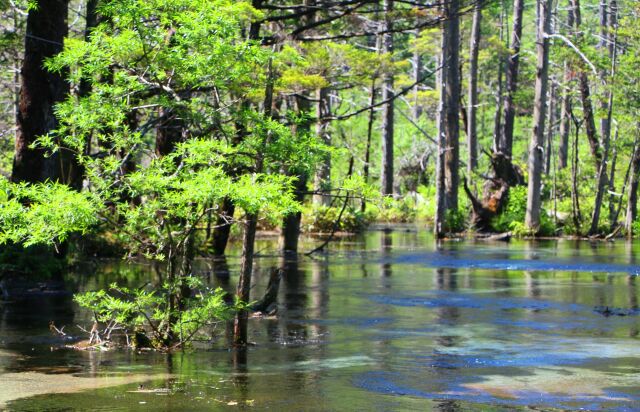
(387, 321)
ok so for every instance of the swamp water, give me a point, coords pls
(385, 321)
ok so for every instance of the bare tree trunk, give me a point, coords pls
(585, 94)
(291, 223)
(92, 19)
(632, 198)
(606, 143)
(575, 198)
(40, 91)
(565, 121)
(323, 174)
(441, 208)
(386, 175)
(536, 148)
(549, 141)
(222, 230)
(497, 120)
(251, 224)
(513, 64)
(612, 182)
(451, 120)
(367, 152)
(417, 75)
(474, 47)
(244, 282)
(602, 14)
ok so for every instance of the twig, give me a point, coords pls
(333, 229)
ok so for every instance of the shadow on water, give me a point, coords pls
(388, 321)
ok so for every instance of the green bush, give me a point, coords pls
(321, 219)
(145, 314)
(512, 217)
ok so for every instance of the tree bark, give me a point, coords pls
(244, 282)
(323, 174)
(386, 175)
(536, 148)
(417, 75)
(499, 95)
(606, 143)
(223, 227)
(575, 198)
(451, 120)
(549, 140)
(632, 198)
(585, 94)
(611, 184)
(474, 47)
(40, 91)
(291, 223)
(565, 122)
(441, 208)
(367, 151)
(513, 67)
(251, 224)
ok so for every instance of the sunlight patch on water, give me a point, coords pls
(334, 363)
(565, 382)
(26, 384)
(461, 260)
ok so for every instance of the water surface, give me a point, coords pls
(384, 321)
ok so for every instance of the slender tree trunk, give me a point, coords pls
(536, 148)
(513, 65)
(323, 174)
(549, 140)
(367, 151)
(92, 20)
(417, 75)
(291, 223)
(632, 198)
(602, 14)
(606, 143)
(441, 207)
(244, 282)
(15, 87)
(222, 230)
(290, 233)
(585, 94)
(575, 198)
(565, 121)
(452, 91)
(607, 23)
(497, 121)
(386, 175)
(251, 224)
(40, 91)
(612, 182)
(474, 47)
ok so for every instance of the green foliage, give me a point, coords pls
(322, 219)
(455, 220)
(146, 311)
(174, 57)
(43, 213)
(512, 217)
